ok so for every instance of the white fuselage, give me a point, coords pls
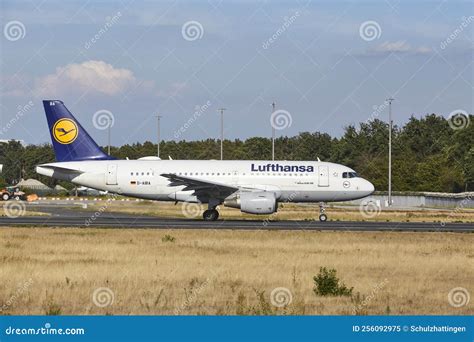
(303, 181)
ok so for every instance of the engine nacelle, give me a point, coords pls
(259, 202)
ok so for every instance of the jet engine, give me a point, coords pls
(258, 202)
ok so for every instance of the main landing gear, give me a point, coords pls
(210, 215)
(322, 216)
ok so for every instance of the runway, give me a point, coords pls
(66, 217)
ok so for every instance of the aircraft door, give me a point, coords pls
(235, 177)
(323, 179)
(111, 177)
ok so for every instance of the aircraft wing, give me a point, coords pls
(201, 188)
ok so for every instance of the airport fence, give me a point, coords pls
(462, 200)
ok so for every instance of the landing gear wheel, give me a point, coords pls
(210, 215)
(322, 216)
(5, 197)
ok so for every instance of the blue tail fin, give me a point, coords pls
(71, 142)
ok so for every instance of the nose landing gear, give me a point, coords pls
(322, 216)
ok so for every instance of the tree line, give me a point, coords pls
(428, 153)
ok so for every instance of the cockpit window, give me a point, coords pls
(349, 175)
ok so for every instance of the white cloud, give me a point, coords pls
(173, 90)
(423, 49)
(95, 76)
(400, 46)
(12, 85)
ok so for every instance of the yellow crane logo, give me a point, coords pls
(65, 131)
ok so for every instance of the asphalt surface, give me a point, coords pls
(67, 217)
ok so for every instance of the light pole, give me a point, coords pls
(390, 150)
(108, 136)
(158, 136)
(273, 132)
(222, 131)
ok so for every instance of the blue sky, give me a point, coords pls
(320, 66)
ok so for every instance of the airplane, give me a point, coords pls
(253, 186)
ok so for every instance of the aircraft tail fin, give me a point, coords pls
(70, 140)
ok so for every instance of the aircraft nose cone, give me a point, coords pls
(369, 188)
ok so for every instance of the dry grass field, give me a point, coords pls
(290, 211)
(223, 272)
